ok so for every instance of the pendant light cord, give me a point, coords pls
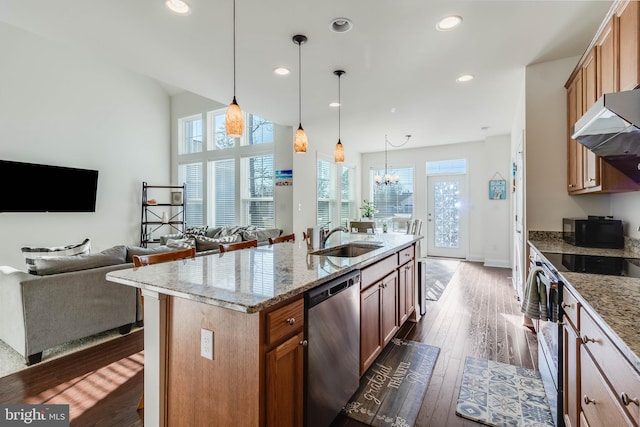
(300, 83)
(339, 106)
(234, 49)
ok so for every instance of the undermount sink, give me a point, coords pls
(349, 250)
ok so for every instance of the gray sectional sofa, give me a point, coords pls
(66, 298)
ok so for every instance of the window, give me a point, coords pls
(447, 167)
(223, 208)
(191, 174)
(395, 199)
(257, 191)
(190, 135)
(326, 207)
(236, 186)
(347, 195)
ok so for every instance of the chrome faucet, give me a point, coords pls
(324, 234)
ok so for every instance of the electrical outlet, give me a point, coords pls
(206, 343)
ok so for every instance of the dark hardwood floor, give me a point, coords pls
(477, 316)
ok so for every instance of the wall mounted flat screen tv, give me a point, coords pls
(30, 187)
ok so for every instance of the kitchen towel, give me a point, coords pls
(534, 304)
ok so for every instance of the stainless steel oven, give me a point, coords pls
(549, 334)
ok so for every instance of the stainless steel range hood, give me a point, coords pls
(611, 129)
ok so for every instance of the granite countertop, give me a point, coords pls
(614, 301)
(251, 280)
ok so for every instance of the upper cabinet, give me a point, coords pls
(628, 22)
(610, 64)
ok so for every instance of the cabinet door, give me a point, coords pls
(285, 382)
(389, 307)
(571, 379)
(629, 46)
(607, 65)
(574, 148)
(370, 332)
(406, 289)
(591, 163)
(598, 402)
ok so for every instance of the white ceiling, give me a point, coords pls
(394, 57)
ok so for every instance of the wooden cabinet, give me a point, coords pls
(571, 360)
(611, 64)
(575, 150)
(285, 381)
(406, 285)
(387, 299)
(628, 22)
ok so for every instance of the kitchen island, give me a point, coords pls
(251, 303)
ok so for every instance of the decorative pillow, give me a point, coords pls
(196, 231)
(260, 234)
(228, 231)
(32, 253)
(184, 243)
(137, 250)
(204, 243)
(164, 239)
(64, 264)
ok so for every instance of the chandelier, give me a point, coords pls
(388, 178)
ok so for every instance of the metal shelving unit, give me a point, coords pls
(167, 215)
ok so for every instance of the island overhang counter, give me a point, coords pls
(239, 296)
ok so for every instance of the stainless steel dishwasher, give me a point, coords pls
(333, 352)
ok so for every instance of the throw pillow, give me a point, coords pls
(204, 243)
(64, 264)
(31, 253)
(261, 234)
(196, 231)
(184, 243)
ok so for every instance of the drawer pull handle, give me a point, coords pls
(586, 340)
(291, 321)
(627, 400)
(588, 401)
(304, 343)
(565, 305)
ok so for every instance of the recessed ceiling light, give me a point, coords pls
(484, 128)
(179, 7)
(341, 25)
(334, 104)
(448, 23)
(282, 71)
(465, 78)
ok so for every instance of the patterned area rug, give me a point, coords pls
(11, 361)
(439, 274)
(501, 395)
(392, 389)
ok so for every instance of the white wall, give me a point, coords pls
(626, 206)
(487, 220)
(63, 107)
(547, 201)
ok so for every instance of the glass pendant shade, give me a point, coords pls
(234, 121)
(300, 140)
(338, 153)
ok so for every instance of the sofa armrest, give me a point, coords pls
(12, 325)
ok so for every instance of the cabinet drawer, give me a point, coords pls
(598, 403)
(570, 307)
(405, 255)
(618, 371)
(373, 273)
(284, 321)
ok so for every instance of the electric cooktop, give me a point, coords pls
(594, 264)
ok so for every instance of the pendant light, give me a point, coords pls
(389, 179)
(300, 139)
(338, 153)
(234, 122)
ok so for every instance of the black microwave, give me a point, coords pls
(593, 232)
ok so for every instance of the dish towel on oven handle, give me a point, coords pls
(534, 304)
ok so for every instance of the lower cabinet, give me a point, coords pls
(571, 381)
(285, 381)
(378, 318)
(406, 287)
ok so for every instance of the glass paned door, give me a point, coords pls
(446, 234)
